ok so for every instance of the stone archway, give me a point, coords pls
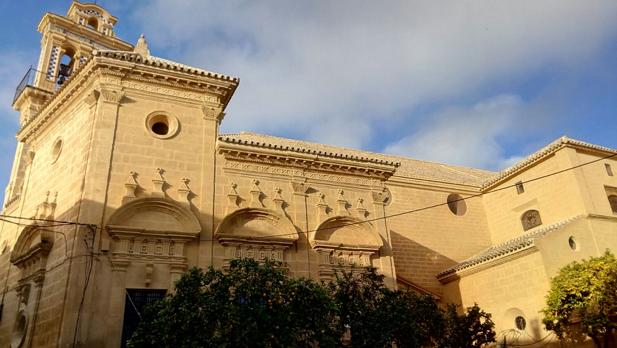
(256, 233)
(345, 243)
(152, 230)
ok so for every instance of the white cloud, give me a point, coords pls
(466, 135)
(332, 70)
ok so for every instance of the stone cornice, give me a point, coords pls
(200, 88)
(301, 150)
(308, 161)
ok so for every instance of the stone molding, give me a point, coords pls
(136, 77)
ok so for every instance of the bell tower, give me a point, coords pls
(67, 43)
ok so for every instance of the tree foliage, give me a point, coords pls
(472, 329)
(249, 306)
(257, 305)
(582, 300)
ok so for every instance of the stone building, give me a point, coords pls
(121, 181)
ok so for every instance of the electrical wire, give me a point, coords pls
(411, 211)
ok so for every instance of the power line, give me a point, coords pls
(372, 219)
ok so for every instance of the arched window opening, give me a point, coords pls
(612, 199)
(67, 62)
(92, 23)
(531, 219)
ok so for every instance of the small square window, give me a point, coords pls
(519, 187)
(609, 170)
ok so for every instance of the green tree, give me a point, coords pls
(258, 305)
(372, 315)
(251, 305)
(474, 328)
(583, 300)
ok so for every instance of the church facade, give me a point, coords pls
(122, 181)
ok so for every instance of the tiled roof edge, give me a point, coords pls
(161, 63)
(506, 248)
(540, 154)
(230, 139)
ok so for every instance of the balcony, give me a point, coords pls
(28, 81)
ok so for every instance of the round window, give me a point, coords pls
(56, 150)
(520, 323)
(161, 125)
(572, 243)
(457, 204)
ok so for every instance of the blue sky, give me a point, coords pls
(476, 83)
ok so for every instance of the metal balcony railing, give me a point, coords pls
(28, 80)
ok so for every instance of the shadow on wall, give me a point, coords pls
(418, 263)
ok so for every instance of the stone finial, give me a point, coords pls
(141, 46)
(255, 195)
(185, 190)
(46, 209)
(232, 197)
(360, 208)
(322, 207)
(278, 199)
(158, 183)
(342, 203)
(130, 186)
(322, 200)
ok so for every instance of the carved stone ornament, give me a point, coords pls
(322, 209)
(381, 196)
(299, 187)
(233, 198)
(137, 236)
(256, 195)
(31, 250)
(130, 187)
(256, 233)
(360, 209)
(111, 96)
(158, 183)
(46, 209)
(278, 199)
(185, 191)
(345, 243)
(342, 204)
(213, 113)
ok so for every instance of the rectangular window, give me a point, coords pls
(609, 170)
(519, 187)
(135, 300)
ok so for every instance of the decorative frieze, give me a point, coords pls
(244, 168)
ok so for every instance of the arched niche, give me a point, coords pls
(152, 229)
(31, 248)
(155, 215)
(256, 233)
(345, 243)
